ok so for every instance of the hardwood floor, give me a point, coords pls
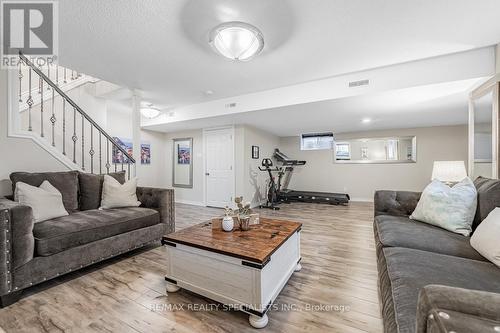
(336, 290)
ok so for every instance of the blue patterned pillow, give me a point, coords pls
(451, 208)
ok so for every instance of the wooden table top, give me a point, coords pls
(256, 244)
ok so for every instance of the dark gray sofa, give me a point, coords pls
(430, 279)
(36, 252)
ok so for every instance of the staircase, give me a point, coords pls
(50, 116)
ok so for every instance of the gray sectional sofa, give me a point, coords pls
(430, 279)
(36, 252)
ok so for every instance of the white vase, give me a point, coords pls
(227, 223)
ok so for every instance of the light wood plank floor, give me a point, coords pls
(336, 290)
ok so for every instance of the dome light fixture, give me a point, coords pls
(237, 40)
(150, 112)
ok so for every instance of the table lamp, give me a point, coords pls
(449, 172)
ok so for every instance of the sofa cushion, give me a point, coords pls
(397, 203)
(91, 188)
(116, 195)
(451, 208)
(399, 231)
(53, 236)
(486, 238)
(410, 270)
(488, 198)
(66, 182)
(45, 201)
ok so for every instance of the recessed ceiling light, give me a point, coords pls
(209, 92)
(236, 40)
(366, 120)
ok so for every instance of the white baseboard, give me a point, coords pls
(189, 202)
(255, 205)
(362, 199)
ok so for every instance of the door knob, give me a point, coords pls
(207, 174)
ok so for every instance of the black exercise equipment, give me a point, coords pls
(273, 187)
(287, 195)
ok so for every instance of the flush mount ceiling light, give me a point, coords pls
(237, 40)
(150, 112)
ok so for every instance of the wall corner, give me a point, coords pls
(497, 59)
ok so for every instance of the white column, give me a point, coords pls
(136, 130)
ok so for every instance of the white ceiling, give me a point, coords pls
(431, 105)
(161, 47)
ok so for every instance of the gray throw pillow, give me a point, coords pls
(65, 182)
(488, 198)
(91, 188)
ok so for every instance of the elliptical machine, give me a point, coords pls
(273, 189)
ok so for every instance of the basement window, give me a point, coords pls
(316, 141)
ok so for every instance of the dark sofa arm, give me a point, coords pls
(396, 203)
(16, 240)
(162, 200)
(447, 309)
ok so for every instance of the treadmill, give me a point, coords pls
(286, 195)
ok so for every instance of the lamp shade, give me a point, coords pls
(449, 171)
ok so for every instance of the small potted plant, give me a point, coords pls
(227, 220)
(243, 213)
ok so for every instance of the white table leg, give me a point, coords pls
(172, 288)
(258, 322)
(298, 267)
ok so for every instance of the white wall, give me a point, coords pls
(239, 161)
(119, 124)
(154, 175)
(256, 181)
(249, 181)
(319, 174)
(360, 181)
(186, 195)
(19, 154)
(497, 58)
(195, 195)
(84, 96)
(116, 118)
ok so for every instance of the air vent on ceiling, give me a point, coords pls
(230, 105)
(359, 83)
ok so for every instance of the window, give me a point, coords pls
(342, 151)
(316, 141)
(391, 149)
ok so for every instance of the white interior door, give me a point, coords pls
(219, 170)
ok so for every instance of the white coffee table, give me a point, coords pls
(242, 269)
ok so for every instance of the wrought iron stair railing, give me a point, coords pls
(76, 80)
(77, 136)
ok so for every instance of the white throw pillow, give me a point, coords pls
(486, 237)
(116, 195)
(451, 208)
(45, 201)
